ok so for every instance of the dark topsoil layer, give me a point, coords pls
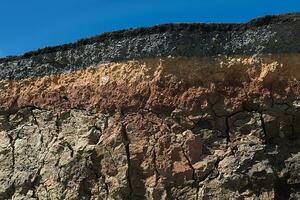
(182, 27)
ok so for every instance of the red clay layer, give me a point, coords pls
(224, 84)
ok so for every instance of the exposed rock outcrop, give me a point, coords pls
(187, 111)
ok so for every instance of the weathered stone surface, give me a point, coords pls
(192, 125)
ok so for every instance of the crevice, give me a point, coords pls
(126, 143)
(97, 129)
(35, 182)
(70, 148)
(196, 181)
(9, 193)
(84, 190)
(263, 126)
(34, 118)
(57, 125)
(38, 126)
(227, 117)
(293, 127)
(189, 163)
(8, 125)
(96, 170)
(12, 145)
(216, 165)
(282, 189)
(154, 162)
(106, 190)
(169, 193)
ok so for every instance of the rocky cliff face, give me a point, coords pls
(186, 111)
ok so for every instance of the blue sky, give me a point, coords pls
(31, 24)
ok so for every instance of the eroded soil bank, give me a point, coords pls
(169, 112)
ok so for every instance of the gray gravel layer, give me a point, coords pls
(271, 34)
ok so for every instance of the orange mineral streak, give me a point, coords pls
(161, 83)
